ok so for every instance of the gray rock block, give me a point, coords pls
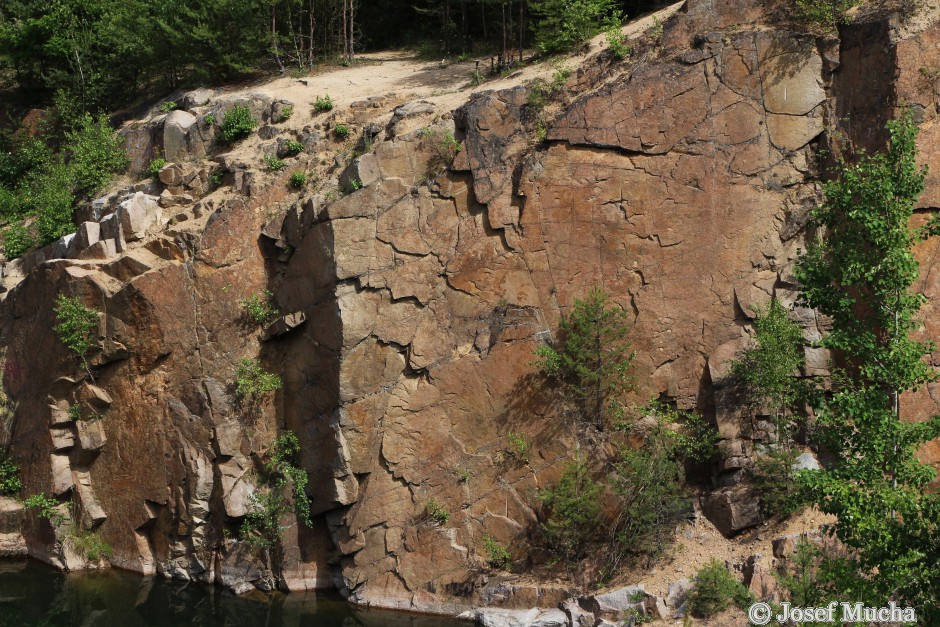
(175, 132)
(137, 214)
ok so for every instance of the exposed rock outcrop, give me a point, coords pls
(411, 305)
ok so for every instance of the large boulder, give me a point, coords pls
(200, 97)
(733, 509)
(175, 135)
(137, 214)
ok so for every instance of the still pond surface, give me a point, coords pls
(35, 594)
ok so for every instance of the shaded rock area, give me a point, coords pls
(413, 282)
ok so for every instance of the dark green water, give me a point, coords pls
(35, 594)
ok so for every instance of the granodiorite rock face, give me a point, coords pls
(412, 307)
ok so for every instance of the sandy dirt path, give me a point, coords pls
(446, 84)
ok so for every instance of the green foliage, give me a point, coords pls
(715, 589)
(286, 112)
(519, 446)
(775, 479)
(650, 501)
(616, 43)
(237, 124)
(463, 474)
(647, 483)
(48, 508)
(323, 104)
(477, 78)
(78, 325)
(560, 76)
(43, 176)
(168, 106)
(342, 131)
(155, 166)
(768, 369)
(285, 490)
(52, 199)
(88, 544)
(261, 527)
(657, 30)
(445, 148)
(283, 463)
(539, 94)
(563, 24)
(355, 185)
(861, 276)
(541, 131)
(22, 158)
(593, 356)
(449, 143)
(252, 381)
(497, 556)
(294, 147)
(106, 53)
(260, 307)
(805, 575)
(95, 153)
(573, 513)
(36, 180)
(825, 13)
(209, 119)
(10, 482)
(17, 240)
(436, 512)
(273, 163)
(298, 180)
(682, 435)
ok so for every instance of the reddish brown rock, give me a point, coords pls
(411, 309)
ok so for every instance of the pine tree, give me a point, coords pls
(563, 24)
(768, 368)
(860, 275)
(593, 356)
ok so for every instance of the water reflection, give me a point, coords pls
(35, 594)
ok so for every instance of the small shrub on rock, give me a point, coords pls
(436, 512)
(497, 556)
(775, 478)
(10, 482)
(284, 489)
(237, 124)
(323, 104)
(825, 13)
(155, 166)
(78, 325)
(286, 112)
(88, 544)
(342, 131)
(252, 381)
(715, 589)
(259, 307)
(519, 446)
(593, 356)
(17, 240)
(48, 508)
(298, 180)
(616, 43)
(96, 153)
(273, 163)
(574, 513)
